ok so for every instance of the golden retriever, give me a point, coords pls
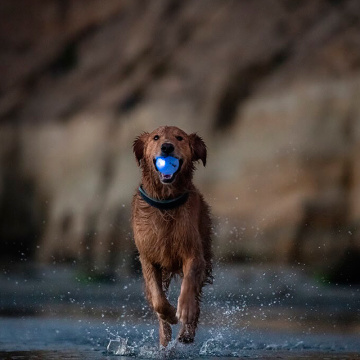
(172, 227)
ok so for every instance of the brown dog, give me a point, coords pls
(172, 228)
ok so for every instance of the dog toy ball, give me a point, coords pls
(167, 165)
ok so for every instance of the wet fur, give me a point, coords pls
(174, 241)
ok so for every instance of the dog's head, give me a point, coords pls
(169, 141)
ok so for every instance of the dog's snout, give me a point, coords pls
(167, 148)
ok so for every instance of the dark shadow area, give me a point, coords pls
(20, 210)
(241, 86)
(347, 270)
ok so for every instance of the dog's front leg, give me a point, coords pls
(155, 293)
(188, 309)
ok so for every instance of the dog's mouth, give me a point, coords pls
(168, 178)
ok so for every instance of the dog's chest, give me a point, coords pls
(168, 240)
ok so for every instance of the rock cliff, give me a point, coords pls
(271, 85)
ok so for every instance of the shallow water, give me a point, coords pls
(81, 355)
(248, 313)
(51, 338)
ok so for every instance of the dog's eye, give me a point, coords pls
(156, 137)
(179, 138)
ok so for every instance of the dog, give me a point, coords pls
(172, 228)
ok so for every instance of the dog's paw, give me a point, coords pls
(168, 314)
(186, 334)
(186, 310)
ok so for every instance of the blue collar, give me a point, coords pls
(164, 204)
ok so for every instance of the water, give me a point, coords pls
(253, 314)
(54, 338)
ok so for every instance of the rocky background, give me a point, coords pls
(273, 86)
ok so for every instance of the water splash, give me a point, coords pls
(142, 348)
(217, 347)
(120, 346)
(226, 323)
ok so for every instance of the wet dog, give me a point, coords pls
(171, 226)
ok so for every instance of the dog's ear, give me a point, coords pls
(198, 148)
(138, 146)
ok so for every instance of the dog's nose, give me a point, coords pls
(167, 148)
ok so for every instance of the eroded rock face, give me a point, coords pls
(272, 86)
(292, 175)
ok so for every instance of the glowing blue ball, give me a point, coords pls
(167, 165)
